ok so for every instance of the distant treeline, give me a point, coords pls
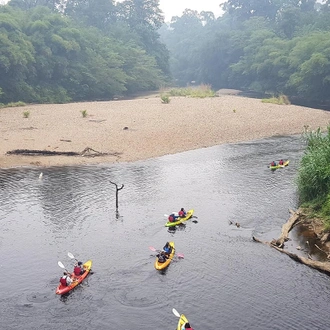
(276, 47)
(56, 51)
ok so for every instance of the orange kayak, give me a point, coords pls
(62, 289)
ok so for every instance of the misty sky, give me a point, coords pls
(176, 7)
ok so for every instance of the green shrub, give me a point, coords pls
(26, 114)
(165, 98)
(84, 113)
(281, 99)
(313, 177)
(201, 91)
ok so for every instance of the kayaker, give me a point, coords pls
(172, 217)
(66, 280)
(187, 326)
(79, 269)
(182, 213)
(162, 257)
(273, 163)
(281, 162)
(167, 248)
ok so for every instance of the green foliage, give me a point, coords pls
(314, 172)
(281, 99)
(84, 113)
(165, 98)
(13, 104)
(26, 114)
(201, 91)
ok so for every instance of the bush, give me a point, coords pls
(281, 99)
(201, 91)
(26, 114)
(84, 113)
(165, 98)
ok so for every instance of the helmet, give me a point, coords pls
(182, 208)
(79, 263)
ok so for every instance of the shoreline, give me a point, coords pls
(144, 128)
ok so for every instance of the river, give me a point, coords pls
(225, 281)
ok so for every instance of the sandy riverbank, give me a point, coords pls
(144, 128)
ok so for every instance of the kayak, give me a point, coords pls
(286, 163)
(162, 265)
(180, 220)
(182, 321)
(62, 289)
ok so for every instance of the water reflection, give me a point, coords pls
(224, 277)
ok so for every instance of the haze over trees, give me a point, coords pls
(73, 50)
(60, 51)
(278, 46)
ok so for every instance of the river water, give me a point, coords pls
(225, 281)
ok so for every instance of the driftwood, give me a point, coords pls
(279, 244)
(286, 228)
(319, 265)
(87, 152)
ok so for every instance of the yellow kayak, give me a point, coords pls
(182, 321)
(162, 265)
(286, 163)
(180, 220)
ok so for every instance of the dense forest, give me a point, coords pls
(267, 46)
(73, 50)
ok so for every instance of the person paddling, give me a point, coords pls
(182, 213)
(66, 279)
(79, 269)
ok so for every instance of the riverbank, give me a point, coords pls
(131, 130)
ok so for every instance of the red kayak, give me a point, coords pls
(62, 289)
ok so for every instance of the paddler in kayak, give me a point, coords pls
(182, 213)
(162, 257)
(273, 163)
(172, 217)
(78, 269)
(66, 279)
(167, 248)
(187, 327)
(281, 162)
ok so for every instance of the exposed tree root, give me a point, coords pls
(87, 152)
(279, 244)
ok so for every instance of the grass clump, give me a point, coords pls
(84, 113)
(201, 91)
(12, 104)
(281, 99)
(26, 114)
(313, 177)
(165, 98)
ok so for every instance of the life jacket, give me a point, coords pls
(171, 218)
(167, 250)
(63, 280)
(77, 271)
(281, 162)
(181, 214)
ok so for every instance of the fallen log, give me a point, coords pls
(286, 228)
(319, 265)
(87, 152)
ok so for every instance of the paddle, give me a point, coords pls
(180, 255)
(175, 312)
(62, 266)
(70, 255)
